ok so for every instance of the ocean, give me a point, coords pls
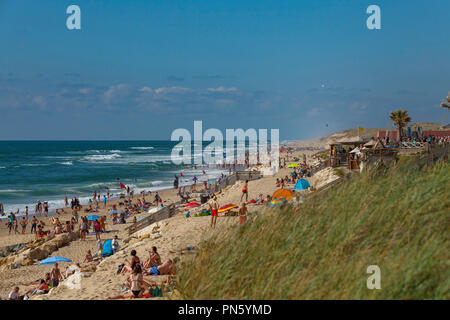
(50, 170)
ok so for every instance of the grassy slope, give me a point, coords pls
(397, 219)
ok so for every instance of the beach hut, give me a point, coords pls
(302, 184)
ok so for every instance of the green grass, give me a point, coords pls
(396, 218)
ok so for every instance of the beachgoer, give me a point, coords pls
(55, 276)
(134, 261)
(214, 206)
(115, 244)
(153, 260)
(163, 269)
(136, 280)
(245, 191)
(242, 213)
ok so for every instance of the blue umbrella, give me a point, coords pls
(302, 184)
(93, 217)
(53, 260)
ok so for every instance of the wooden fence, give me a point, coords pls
(162, 214)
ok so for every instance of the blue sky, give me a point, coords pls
(140, 69)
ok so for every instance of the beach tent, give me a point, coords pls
(283, 193)
(93, 217)
(277, 202)
(107, 248)
(302, 184)
(53, 260)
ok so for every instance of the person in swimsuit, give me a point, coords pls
(23, 224)
(214, 206)
(136, 280)
(165, 268)
(134, 261)
(33, 224)
(55, 276)
(245, 191)
(242, 213)
(153, 260)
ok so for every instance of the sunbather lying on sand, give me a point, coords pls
(183, 250)
(166, 268)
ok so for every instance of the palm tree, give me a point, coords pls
(401, 119)
(447, 103)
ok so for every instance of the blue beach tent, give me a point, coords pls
(302, 184)
(107, 248)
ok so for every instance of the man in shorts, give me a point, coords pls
(214, 206)
(245, 191)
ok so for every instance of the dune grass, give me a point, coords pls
(396, 218)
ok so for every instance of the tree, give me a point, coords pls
(446, 104)
(401, 119)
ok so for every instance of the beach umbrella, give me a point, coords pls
(227, 207)
(283, 193)
(192, 204)
(277, 202)
(93, 217)
(293, 165)
(302, 184)
(53, 260)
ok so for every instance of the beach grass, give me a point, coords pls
(396, 218)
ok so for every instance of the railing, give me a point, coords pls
(231, 180)
(162, 214)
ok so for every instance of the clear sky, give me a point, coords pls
(140, 69)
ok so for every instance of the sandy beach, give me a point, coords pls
(169, 236)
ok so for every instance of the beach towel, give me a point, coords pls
(107, 248)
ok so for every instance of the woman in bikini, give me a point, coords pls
(135, 281)
(153, 260)
(134, 261)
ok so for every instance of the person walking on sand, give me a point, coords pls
(26, 212)
(104, 200)
(66, 201)
(242, 213)
(214, 206)
(245, 191)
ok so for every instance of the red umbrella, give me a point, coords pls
(192, 204)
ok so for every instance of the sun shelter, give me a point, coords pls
(53, 260)
(283, 193)
(302, 184)
(107, 248)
